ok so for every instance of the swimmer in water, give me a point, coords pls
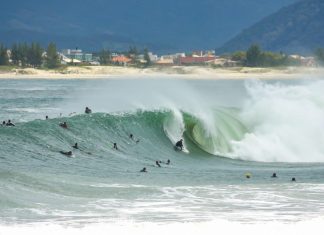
(75, 146)
(157, 163)
(115, 146)
(143, 170)
(9, 123)
(63, 125)
(87, 110)
(69, 153)
(131, 136)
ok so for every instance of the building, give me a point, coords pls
(304, 61)
(153, 57)
(66, 60)
(121, 60)
(194, 60)
(77, 54)
(224, 62)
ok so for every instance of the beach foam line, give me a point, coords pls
(314, 227)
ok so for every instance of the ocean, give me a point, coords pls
(231, 129)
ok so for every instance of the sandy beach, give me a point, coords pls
(191, 72)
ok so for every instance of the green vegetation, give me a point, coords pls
(4, 59)
(239, 56)
(133, 54)
(34, 55)
(319, 54)
(255, 57)
(147, 57)
(19, 54)
(105, 57)
(52, 59)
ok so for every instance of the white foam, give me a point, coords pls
(286, 123)
(314, 227)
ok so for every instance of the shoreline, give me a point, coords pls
(182, 72)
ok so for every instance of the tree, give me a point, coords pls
(22, 53)
(133, 54)
(34, 55)
(4, 59)
(147, 57)
(52, 59)
(253, 56)
(15, 54)
(319, 54)
(239, 56)
(132, 51)
(105, 57)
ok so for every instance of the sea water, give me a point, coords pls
(230, 129)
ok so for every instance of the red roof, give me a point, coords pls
(121, 59)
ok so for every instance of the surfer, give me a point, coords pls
(87, 110)
(131, 136)
(69, 153)
(293, 179)
(9, 123)
(46, 117)
(143, 170)
(75, 146)
(248, 175)
(157, 163)
(274, 175)
(179, 144)
(63, 125)
(3, 123)
(168, 162)
(115, 146)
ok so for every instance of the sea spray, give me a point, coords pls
(286, 123)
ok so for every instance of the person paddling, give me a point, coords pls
(87, 110)
(75, 146)
(63, 125)
(9, 123)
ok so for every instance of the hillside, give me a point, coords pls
(162, 25)
(298, 28)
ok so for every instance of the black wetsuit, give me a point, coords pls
(179, 144)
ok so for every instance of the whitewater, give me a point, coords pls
(230, 128)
